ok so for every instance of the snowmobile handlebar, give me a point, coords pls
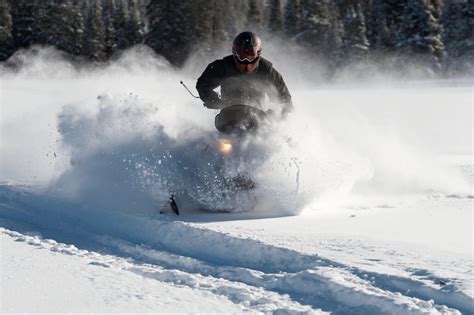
(189, 91)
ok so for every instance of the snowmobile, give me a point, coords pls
(234, 124)
(239, 120)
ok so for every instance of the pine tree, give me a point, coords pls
(109, 11)
(336, 29)
(94, 46)
(452, 24)
(121, 18)
(293, 17)
(254, 16)
(225, 20)
(218, 30)
(201, 24)
(458, 36)
(384, 22)
(169, 28)
(275, 24)
(394, 13)
(378, 32)
(45, 24)
(466, 46)
(77, 24)
(420, 34)
(356, 45)
(238, 10)
(25, 22)
(6, 38)
(135, 25)
(64, 27)
(321, 28)
(436, 8)
(230, 19)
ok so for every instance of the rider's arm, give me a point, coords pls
(283, 93)
(210, 79)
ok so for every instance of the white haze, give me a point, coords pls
(120, 135)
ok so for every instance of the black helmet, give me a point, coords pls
(247, 47)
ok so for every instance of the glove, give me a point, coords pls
(213, 101)
(213, 105)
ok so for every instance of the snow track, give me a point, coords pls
(325, 285)
(255, 275)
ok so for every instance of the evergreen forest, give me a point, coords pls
(435, 34)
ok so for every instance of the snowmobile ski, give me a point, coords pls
(174, 205)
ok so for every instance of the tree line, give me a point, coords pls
(437, 34)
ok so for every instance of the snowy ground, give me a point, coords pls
(373, 215)
(335, 263)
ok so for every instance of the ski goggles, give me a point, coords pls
(246, 56)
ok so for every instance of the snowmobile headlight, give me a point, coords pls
(224, 146)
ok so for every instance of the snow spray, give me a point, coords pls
(125, 136)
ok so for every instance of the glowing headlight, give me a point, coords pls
(224, 146)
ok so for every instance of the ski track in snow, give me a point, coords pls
(258, 276)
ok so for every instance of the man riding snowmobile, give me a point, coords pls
(245, 78)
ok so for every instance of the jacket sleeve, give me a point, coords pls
(210, 79)
(284, 95)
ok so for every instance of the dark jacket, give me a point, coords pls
(242, 88)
